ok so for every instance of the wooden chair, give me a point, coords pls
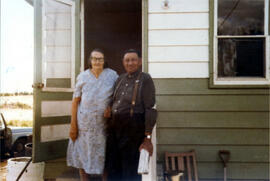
(182, 162)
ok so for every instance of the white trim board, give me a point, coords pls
(55, 108)
(54, 132)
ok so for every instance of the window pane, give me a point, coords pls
(240, 17)
(241, 57)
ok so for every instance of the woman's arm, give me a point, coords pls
(73, 133)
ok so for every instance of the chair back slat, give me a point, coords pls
(188, 169)
(195, 166)
(167, 161)
(185, 162)
(173, 162)
(180, 163)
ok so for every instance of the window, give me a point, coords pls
(241, 53)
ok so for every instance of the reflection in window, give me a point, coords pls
(241, 40)
(240, 17)
(241, 57)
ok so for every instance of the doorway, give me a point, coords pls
(113, 26)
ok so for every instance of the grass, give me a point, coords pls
(16, 105)
(16, 94)
(20, 123)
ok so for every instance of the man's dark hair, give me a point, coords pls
(100, 51)
(133, 51)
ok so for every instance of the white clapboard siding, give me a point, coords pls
(58, 70)
(55, 108)
(58, 38)
(178, 37)
(62, 54)
(58, 21)
(179, 6)
(54, 132)
(54, 6)
(179, 70)
(178, 21)
(178, 54)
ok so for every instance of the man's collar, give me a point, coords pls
(134, 74)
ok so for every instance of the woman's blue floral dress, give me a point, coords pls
(88, 151)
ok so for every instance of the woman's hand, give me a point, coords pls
(108, 112)
(73, 132)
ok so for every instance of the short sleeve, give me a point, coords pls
(111, 76)
(114, 76)
(78, 87)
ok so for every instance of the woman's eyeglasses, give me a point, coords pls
(95, 59)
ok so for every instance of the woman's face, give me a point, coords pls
(97, 61)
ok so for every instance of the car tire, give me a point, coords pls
(18, 146)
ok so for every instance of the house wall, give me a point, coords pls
(194, 116)
(175, 34)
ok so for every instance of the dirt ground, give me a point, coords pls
(3, 170)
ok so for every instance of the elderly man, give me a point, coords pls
(133, 118)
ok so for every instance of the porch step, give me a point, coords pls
(57, 170)
(70, 174)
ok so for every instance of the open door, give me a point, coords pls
(113, 26)
(57, 26)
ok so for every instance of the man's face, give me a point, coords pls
(131, 62)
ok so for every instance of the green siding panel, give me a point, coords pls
(205, 153)
(54, 96)
(145, 35)
(198, 86)
(193, 116)
(58, 82)
(243, 171)
(213, 103)
(213, 120)
(77, 37)
(55, 120)
(53, 150)
(213, 136)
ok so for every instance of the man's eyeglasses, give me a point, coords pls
(95, 59)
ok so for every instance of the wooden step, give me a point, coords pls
(71, 174)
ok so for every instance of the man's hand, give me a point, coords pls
(147, 145)
(73, 132)
(108, 112)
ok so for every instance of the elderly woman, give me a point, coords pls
(92, 95)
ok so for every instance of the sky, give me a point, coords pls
(17, 46)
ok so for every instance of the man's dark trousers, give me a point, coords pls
(125, 136)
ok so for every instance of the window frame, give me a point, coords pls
(235, 82)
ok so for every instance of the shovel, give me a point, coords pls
(224, 155)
